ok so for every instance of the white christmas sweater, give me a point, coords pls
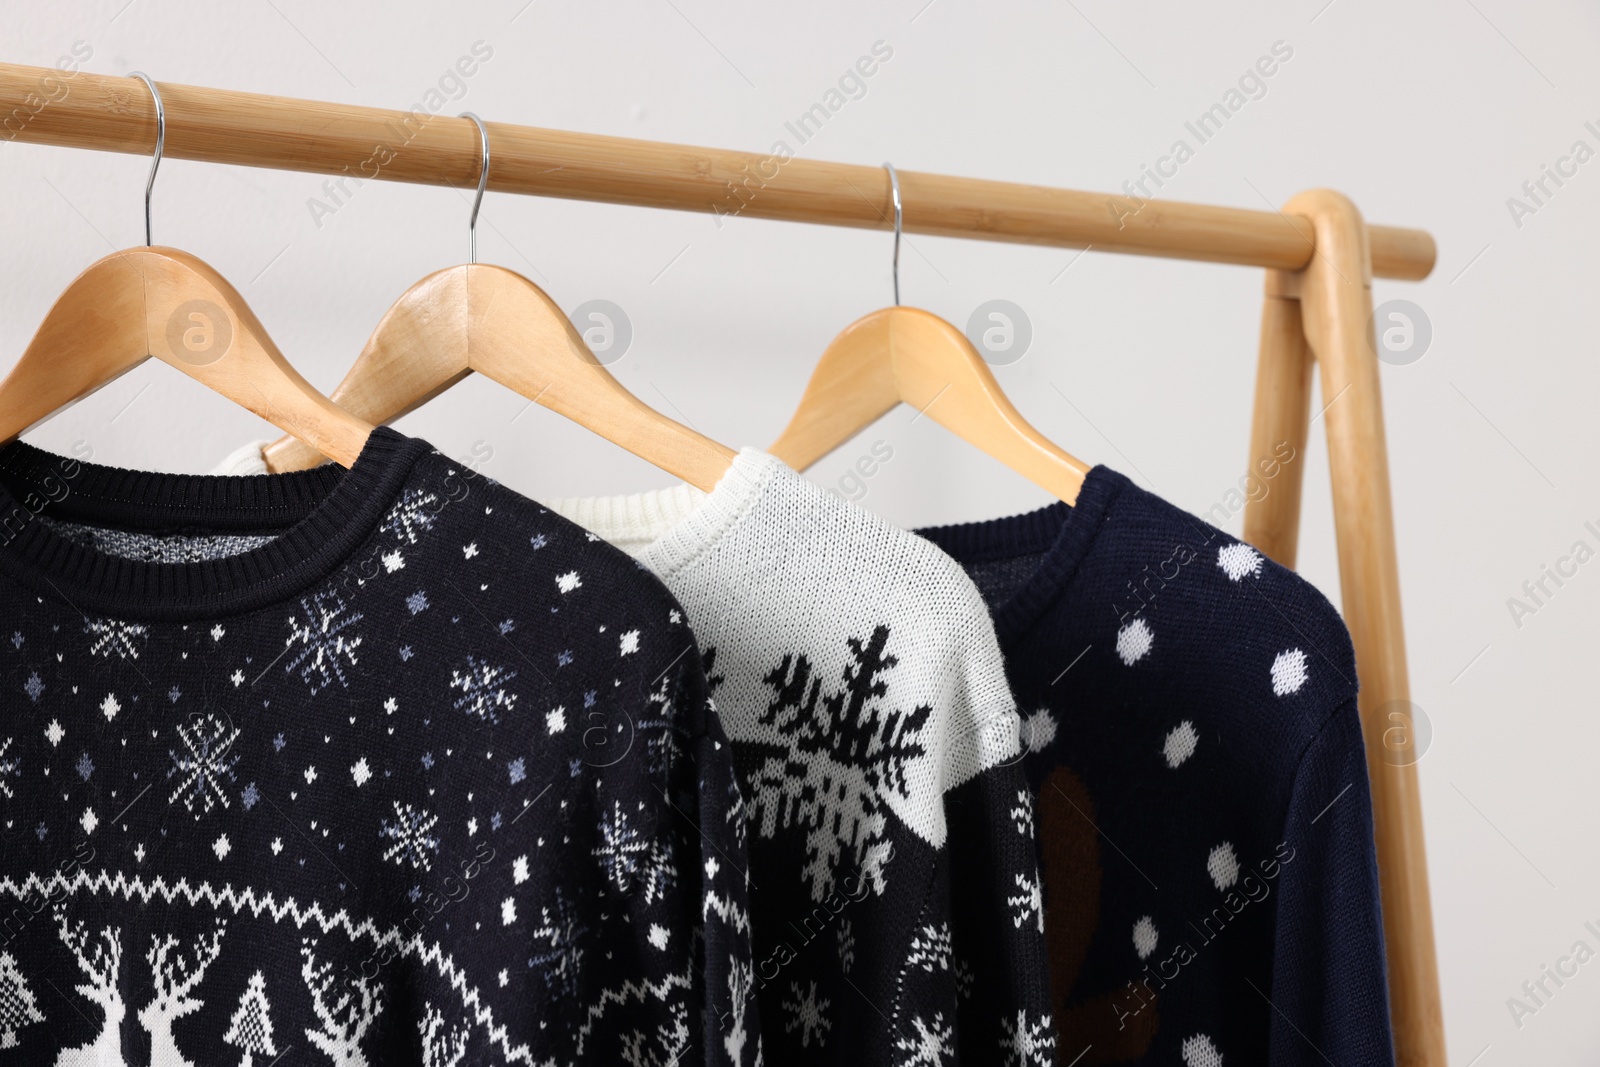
(380, 766)
(894, 890)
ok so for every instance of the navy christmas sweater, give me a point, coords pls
(378, 766)
(1205, 825)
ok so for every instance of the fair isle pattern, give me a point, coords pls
(337, 826)
(228, 901)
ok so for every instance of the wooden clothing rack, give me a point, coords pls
(1318, 252)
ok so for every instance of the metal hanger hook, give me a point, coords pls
(894, 188)
(161, 144)
(483, 183)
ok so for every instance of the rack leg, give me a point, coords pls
(1278, 431)
(1335, 292)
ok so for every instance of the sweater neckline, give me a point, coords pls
(317, 518)
(1062, 533)
(667, 529)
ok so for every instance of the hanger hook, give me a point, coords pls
(894, 188)
(483, 183)
(161, 144)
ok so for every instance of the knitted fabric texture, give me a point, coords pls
(378, 766)
(1189, 711)
(894, 885)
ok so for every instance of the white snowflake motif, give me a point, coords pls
(1028, 902)
(808, 1013)
(415, 514)
(361, 772)
(411, 837)
(1022, 814)
(1027, 1044)
(393, 561)
(483, 689)
(658, 873)
(568, 582)
(630, 642)
(929, 1046)
(109, 706)
(564, 934)
(324, 645)
(508, 911)
(658, 936)
(114, 635)
(930, 948)
(221, 847)
(838, 762)
(206, 765)
(620, 849)
(54, 732)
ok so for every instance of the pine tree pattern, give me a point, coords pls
(17, 1006)
(250, 1028)
(845, 753)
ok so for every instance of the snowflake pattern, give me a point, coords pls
(807, 1013)
(1022, 814)
(844, 754)
(563, 931)
(205, 768)
(414, 514)
(483, 689)
(929, 1045)
(411, 837)
(319, 632)
(621, 849)
(108, 636)
(930, 948)
(1030, 901)
(1027, 1044)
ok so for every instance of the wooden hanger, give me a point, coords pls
(496, 322)
(903, 355)
(166, 303)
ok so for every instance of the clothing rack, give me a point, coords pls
(1318, 252)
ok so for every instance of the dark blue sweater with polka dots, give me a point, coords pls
(1189, 711)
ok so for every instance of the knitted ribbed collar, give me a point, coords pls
(318, 516)
(666, 529)
(1062, 533)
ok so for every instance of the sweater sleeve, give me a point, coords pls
(990, 866)
(1329, 974)
(708, 806)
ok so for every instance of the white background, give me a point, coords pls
(1428, 114)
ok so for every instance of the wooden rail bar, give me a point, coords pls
(82, 110)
